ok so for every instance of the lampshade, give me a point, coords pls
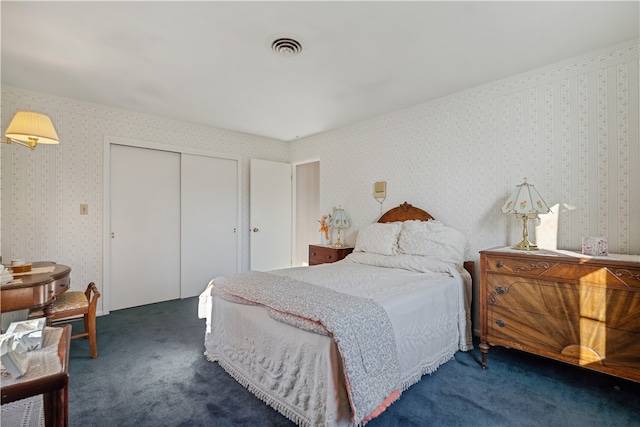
(525, 199)
(525, 202)
(340, 221)
(29, 129)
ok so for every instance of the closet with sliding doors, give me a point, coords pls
(173, 221)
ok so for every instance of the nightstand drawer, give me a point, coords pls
(319, 254)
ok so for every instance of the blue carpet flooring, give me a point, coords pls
(151, 371)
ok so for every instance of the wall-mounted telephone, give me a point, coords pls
(380, 190)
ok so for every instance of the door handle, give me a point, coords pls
(255, 230)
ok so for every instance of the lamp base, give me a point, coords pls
(526, 245)
(339, 243)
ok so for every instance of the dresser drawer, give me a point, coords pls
(619, 309)
(582, 342)
(629, 276)
(520, 266)
(319, 254)
(595, 274)
(531, 330)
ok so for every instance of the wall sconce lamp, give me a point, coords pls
(30, 129)
(340, 221)
(526, 203)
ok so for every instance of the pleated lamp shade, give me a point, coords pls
(32, 128)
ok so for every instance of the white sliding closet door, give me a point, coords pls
(209, 221)
(145, 226)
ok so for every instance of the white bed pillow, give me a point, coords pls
(423, 264)
(434, 239)
(379, 238)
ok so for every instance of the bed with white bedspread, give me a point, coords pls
(335, 344)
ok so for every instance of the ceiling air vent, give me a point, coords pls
(286, 46)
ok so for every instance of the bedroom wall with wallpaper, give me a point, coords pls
(571, 129)
(42, 190)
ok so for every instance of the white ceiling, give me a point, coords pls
(210, 63)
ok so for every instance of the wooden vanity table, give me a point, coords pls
(36, 288)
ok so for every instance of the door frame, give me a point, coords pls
(294, 197)
(106, 202)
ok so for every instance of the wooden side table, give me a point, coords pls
(321, 254)
(49, 379)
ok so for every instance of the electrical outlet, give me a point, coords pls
(84, 209)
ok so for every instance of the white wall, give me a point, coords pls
(571, 129)
(42, 190)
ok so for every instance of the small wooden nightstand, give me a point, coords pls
(320, 254)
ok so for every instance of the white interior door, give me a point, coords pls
(270, 215)
(209, 221)
(145, 226)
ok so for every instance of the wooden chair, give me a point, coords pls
(72, 305)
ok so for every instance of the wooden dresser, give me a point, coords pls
(321, 254)
(559, 304)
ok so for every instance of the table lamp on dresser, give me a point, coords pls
(526, 203)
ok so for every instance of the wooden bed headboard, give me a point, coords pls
(407, 212)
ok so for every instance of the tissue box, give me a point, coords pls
(27, 334)
(12, 361)
(595, 246)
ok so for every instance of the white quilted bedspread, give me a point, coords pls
(299, 373)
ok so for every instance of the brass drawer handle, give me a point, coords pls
(500, 323)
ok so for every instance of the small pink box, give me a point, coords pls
(595, 246)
